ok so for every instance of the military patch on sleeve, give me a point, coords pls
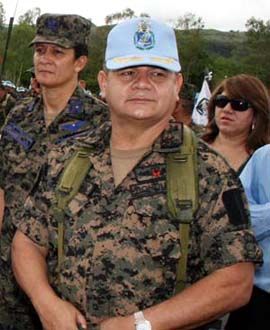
(234, 205)
(16, 133)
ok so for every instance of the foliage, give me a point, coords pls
(257, 28)
(96, 54)
(258, 48)
(120, 16)
(189, 21)
(19, 55)
(116, 17)
(192, 47)
(2, 16)
(29, 17)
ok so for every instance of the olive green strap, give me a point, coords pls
(69, 184)
(182, 194)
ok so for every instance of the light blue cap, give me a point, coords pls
(142, 41)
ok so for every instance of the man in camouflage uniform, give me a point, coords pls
(184, 109)
(121, 246)
(34, 87)
(59, 113)
(7, 102)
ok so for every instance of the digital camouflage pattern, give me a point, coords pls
(121, 248)
(66, 31)
(24, 146)
(199, 130)
(6, 104)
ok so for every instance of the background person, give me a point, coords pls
(239, 123)
(7, 100)
(184, 108)
(34, 86)
(239, 119)
(255, 178)
(59, 112)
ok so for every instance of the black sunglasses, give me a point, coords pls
(237, 104)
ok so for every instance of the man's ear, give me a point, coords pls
(102, 81)
(81, 63)
(179, 84)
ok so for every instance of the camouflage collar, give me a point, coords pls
(98, 138)
(169, 141)
(79, 92)
(171, 138)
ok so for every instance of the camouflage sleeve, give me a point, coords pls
(221, 234)
(11, 101)
(33, 219)
(5, 107)
(2, 162)
(4, 165)
(38, 220)
(1, 169)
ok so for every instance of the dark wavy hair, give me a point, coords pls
(80, 50)
(252, 89)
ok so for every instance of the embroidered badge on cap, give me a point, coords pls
(144, 38)
(52, 24)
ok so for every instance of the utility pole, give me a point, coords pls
(11, 20)
(10, 26)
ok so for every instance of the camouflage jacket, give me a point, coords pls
(5, 106)
(121, 247)
(25, 142)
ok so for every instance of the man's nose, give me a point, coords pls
(142, 80)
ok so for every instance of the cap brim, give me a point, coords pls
(64, 43)
(166, 63)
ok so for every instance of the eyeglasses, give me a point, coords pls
(237, 104)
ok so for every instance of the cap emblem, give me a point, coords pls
(144, 38)
(52, 24)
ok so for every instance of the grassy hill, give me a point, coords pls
(223, 43)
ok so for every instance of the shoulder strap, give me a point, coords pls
(182, 194)
(69, 184)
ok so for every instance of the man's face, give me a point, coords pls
(55, 66)
(142, 93)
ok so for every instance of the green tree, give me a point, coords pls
(2, 29)
(2, 16)
(116, 17)
(30, 16)
(258, 48)
(120, 16)
(188, 22)
(97, 45)
(192, 48)
(144, 15)
(257, 28)
(20, 54)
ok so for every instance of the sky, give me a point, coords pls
(220, 15)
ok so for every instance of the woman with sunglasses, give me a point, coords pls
(239, 119)
(239, 123)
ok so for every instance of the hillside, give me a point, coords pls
(222, 43)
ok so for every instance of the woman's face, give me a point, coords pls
(232, 122)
